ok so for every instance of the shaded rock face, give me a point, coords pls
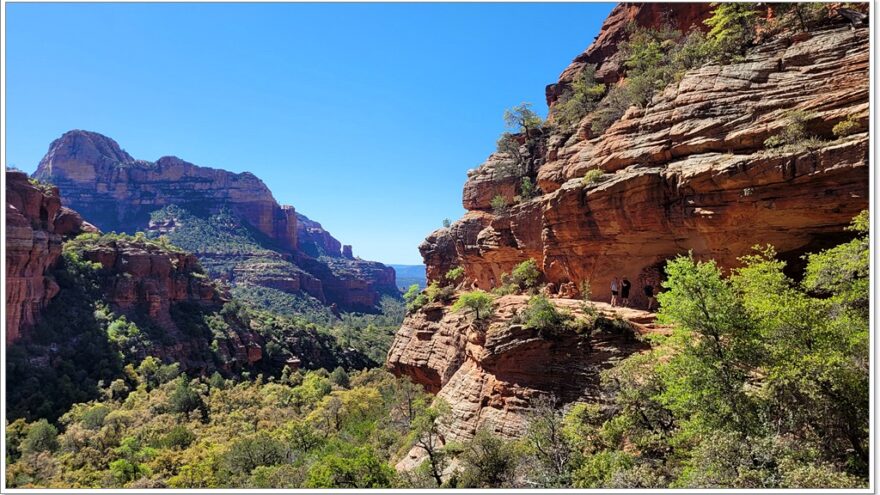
(689, 172)
(119, 193)
(490, 376)
(36, 225)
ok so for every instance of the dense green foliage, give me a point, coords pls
(762, 384)
(321, 431)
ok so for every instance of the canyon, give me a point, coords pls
(687, 173)
(287, 250)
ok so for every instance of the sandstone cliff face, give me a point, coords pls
(604, 50)
(36, 224)
(491, 375)
(118, 192)
(295, 254)
(689, 172)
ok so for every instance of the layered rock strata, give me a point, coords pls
(119, 193)
(690, 172)
(36, 225)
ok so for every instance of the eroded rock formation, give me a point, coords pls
(36, 224)
(491, 373)
(119, 193)
(690, 172)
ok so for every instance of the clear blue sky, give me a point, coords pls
(365, 117)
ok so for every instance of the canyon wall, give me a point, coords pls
(689, 172)
(36, 224)
(288, 251)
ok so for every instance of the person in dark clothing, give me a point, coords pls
(649, 295)
(624, 291)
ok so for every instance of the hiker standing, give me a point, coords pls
(624, 291)
(615, 286)
(649, 294)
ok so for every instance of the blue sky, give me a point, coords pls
(365, 117)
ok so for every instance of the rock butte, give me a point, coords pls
(688, 173)
(117, 193)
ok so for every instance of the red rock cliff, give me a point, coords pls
(119, 193)
(36, 224)
(689, 172)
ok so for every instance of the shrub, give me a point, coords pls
(527, 188)
(846, 127)
(446, 223)
(434, 292)
(499, 205)
(541, 314)
(526, 274)
(593, 176)
(414, 298)
(479, 302)
(794, 134)
(454, 274)
(581, 99)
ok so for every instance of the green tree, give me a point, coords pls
(348, 466)
(522, 119)
(479, 302)
(718, 346)
(252, 451)
(184, 399)
(427, 436)
(731, 29)
(582, 98)
(526, 274)
(339, 377)
(487, 462)
(41, 437)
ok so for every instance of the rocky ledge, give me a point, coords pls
(690, 172)
(491, 373)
